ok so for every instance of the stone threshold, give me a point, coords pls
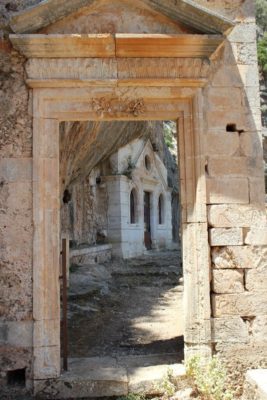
(109, 376)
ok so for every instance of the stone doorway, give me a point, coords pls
(51, 106)
(122, 307)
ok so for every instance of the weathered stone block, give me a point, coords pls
(257, 236)
(256, 190)
(229, 191)
(227, 215)
(16, 169)
(248, 120)
(90, 377)
(13, 357)
(227, 281)
(243, 33)
(223, 143)
(46, 362)
(20, 333)
(196, 274)
(231, 330)
(235, 166)
(47, 333)
(218, 98)
(240, 355)
(259, 328)
(227, 77)
(246, 53)
(142, 380)
(226, 236)
(245, 304)
(256, 279)
(251, 144)
(251, 98)
(249, 75)
(203, 350)
(97, 68)
(239, 257)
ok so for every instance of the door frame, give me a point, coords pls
(106, 102)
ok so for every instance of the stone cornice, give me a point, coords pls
(117, 46)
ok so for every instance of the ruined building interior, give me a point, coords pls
(102, 192)
(131, 178)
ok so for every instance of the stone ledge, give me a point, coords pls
(91, 254)
(90, 250)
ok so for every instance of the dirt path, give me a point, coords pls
(124, 308)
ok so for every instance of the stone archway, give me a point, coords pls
(53, 105)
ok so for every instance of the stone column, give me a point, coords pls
(46, 247)
(195, 244)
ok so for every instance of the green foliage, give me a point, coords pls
(210, 379)
(168, 131)
(261, 14)
(167, 385)
(262, 53)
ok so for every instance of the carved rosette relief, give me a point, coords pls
(115, 105)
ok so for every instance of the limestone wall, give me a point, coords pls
(236, 214)
(15, 212)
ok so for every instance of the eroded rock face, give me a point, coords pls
(84, 150)
(85, 144)
(15, 180)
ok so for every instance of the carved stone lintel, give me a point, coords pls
(135, 107)
(114, 105)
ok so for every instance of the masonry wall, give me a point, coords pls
(15, 214)
(235, 187)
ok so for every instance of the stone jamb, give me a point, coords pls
(52, 106)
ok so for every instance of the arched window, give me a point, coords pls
(160, 210)
(133, 206)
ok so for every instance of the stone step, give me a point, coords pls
(108, 376)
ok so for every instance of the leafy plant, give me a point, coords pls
(210, 379)
(261, 14)
(167, 385)
(168, 132)
(262, 53)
